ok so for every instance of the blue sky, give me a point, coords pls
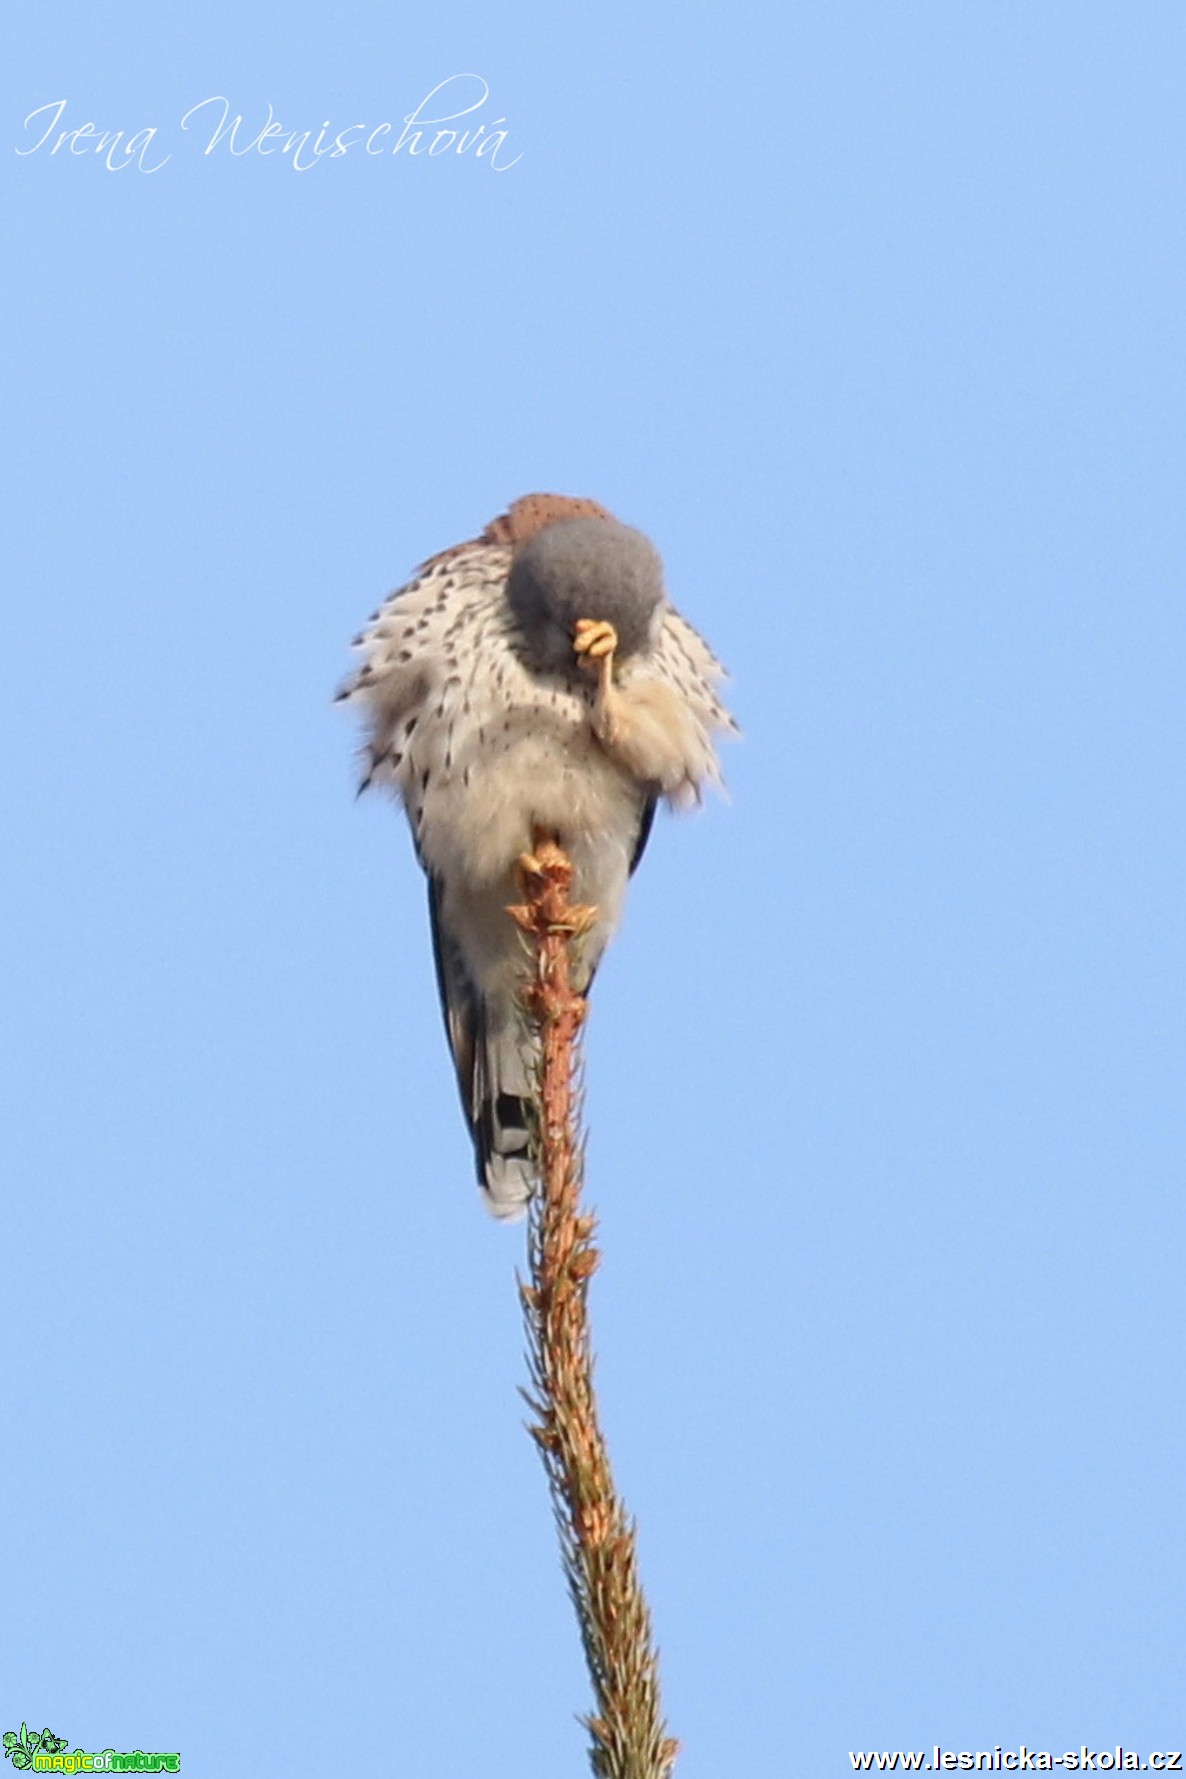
(873, 318)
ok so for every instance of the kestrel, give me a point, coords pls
(533, 681)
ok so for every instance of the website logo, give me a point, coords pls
(31, 1752)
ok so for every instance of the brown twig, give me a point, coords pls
(628, 1739)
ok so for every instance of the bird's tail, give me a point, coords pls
(501, 1106)
(495, 1058)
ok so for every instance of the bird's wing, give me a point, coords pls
(689, 665)
(646, 821)
(406, 652)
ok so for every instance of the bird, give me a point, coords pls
(533, 681)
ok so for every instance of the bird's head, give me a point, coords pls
(584, 567)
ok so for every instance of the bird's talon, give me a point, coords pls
(595, 638)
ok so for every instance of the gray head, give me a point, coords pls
(585, 568)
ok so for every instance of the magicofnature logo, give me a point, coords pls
(46, 1753)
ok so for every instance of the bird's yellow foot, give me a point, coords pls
(546, 854)
(595, 638)
(597, 641)
(545, 875)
